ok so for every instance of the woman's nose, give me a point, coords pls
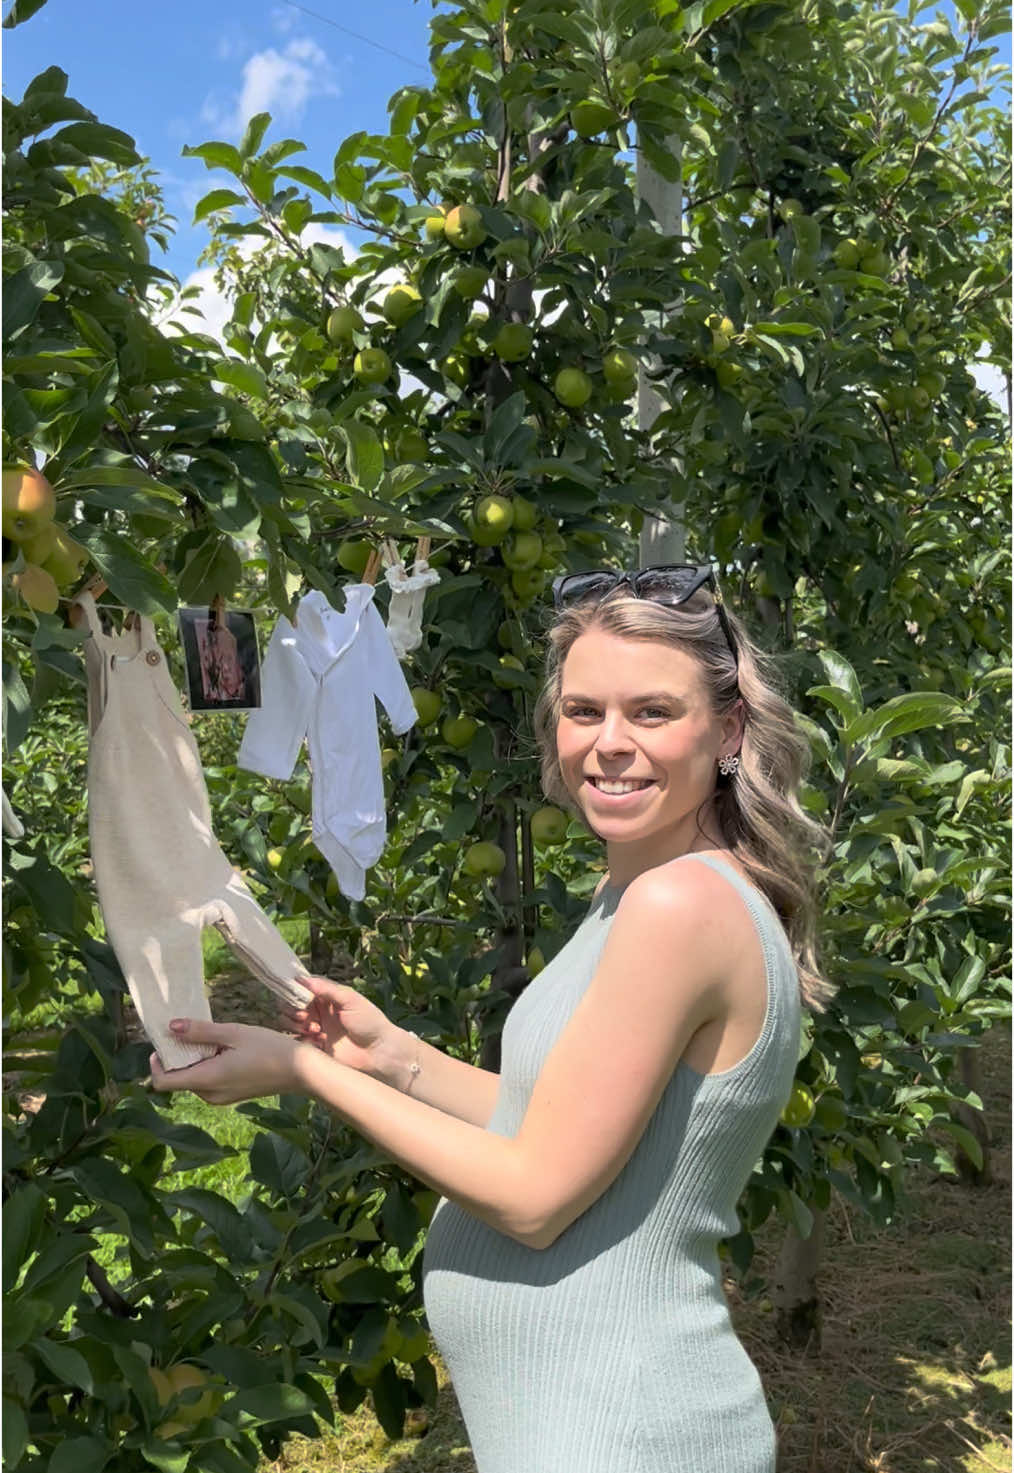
(613, 735)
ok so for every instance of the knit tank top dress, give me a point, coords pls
(612, 1351)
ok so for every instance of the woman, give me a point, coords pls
(571, 1273)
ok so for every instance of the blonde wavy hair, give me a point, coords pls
(758, 810)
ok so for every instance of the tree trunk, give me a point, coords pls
(662, 539)
(798, 1310)
(970, 1070)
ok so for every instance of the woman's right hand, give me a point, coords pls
(345, 1025)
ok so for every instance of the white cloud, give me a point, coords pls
(992, 382)
(279, 82)
(214, 306)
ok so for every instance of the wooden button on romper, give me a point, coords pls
(160, 873)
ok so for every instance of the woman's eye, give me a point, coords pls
(654, 713)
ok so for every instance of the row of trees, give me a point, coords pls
(842, 263)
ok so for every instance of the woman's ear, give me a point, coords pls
(733, 725)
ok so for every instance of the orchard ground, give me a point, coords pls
(914, 1375)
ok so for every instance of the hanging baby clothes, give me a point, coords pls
(408, 591)
(319, 680)
(160, 873)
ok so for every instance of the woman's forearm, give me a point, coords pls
(478, 1170)
(446, 1083)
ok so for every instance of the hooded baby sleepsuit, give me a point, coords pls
(160, 873)
(319, 680)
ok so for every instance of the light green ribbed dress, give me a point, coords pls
(612, 1351)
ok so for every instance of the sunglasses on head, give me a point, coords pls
(670, 583)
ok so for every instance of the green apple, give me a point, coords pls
(29, 503)
(275, 858)
(930, 379)
(483, 860)
(37, 588)
(183, 1378)
(495, 514)
(900, 339)
(590, 118)
(343, 324)
(513, 342)
(372, 366)
(875, 263)
(618, 367)
(549, 826)
(458, 731)
(507, 662)
(37, 549)
(64, 559)
(433, 227)
(387, 756)
(521, 551)
(535, 961)
(528, 583)
(457, 368)
(353, 556)
(427, 703)
(526, 514)
(790, 208)
(510, 635)
(572, 387)
(799, 1108)
(401, 302)
(846, 254)
(727, 373)
(463, 227)
(470, 282)
(411, 445)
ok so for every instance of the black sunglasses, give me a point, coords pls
(669, 583)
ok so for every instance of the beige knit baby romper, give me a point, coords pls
(159, 870)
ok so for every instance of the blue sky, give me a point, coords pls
(178, 74)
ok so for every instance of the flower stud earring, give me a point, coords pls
(729, 766)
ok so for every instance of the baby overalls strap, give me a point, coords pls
(86, 604)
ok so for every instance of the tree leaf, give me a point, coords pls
(19, 12)
(254, 134)
(912, 711)
(23, 1213)
(217, 199)
(23, 293)
(841, 674)
(66, 1363)
(132, 580)
(216, 155)
(99, 141)
(272, 1402)
(15, 1424)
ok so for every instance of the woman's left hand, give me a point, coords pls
(251, 1063)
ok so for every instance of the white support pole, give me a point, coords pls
(662, 539)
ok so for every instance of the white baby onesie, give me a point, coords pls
(408, 593)
(319, 680)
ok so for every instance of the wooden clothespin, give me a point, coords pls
(372, 567)
(422, 549)
(96, 586)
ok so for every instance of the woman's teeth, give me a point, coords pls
(619, 787)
